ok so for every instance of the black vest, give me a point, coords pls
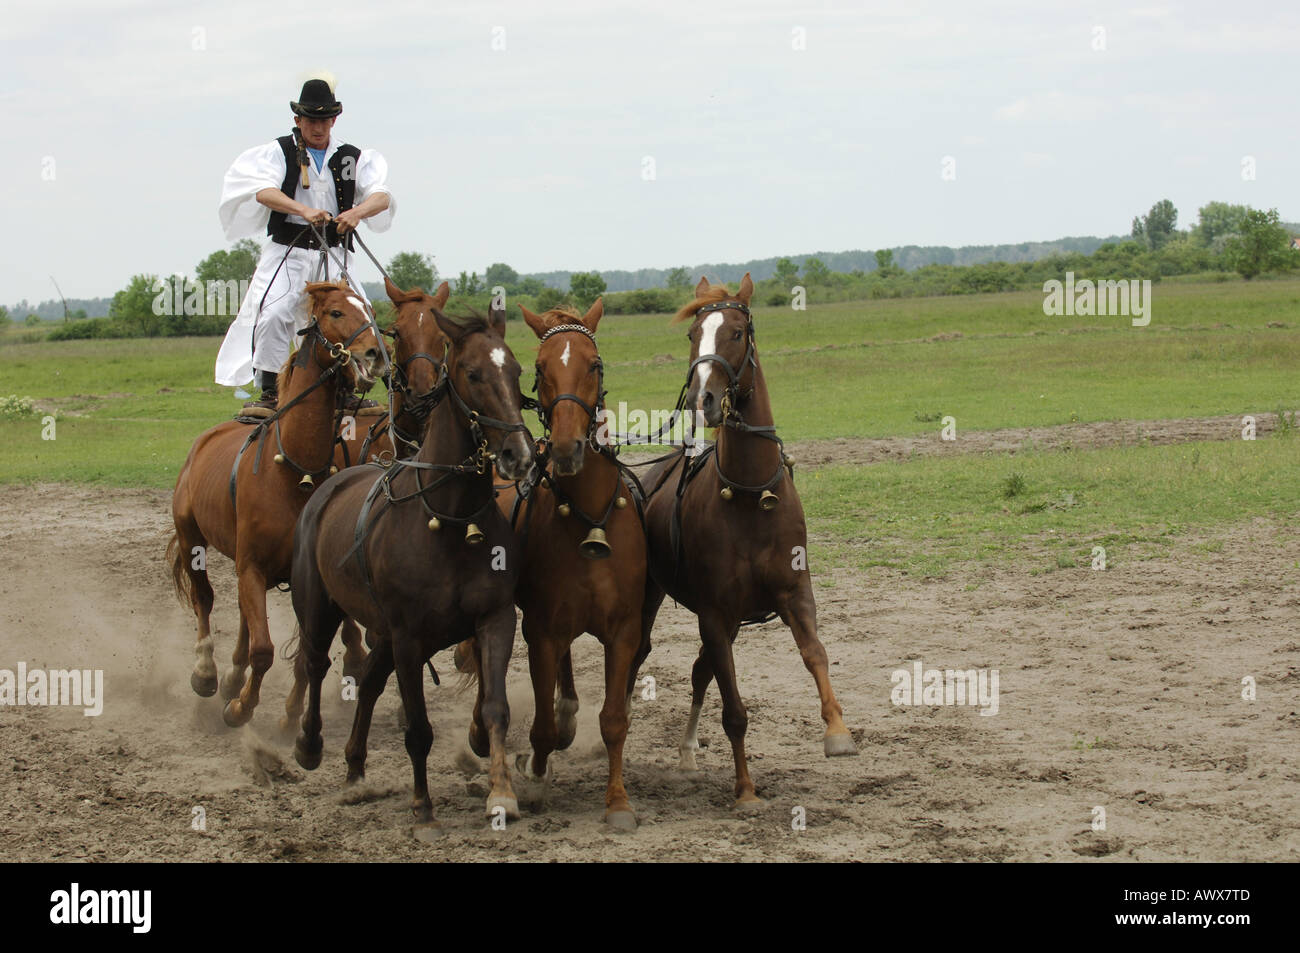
(345, 190)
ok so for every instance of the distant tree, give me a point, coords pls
(679, 279)
(470, 284)
(529, 286)
(1158, 225)
(133, 305)
(586, 287)
(501, 274)
(549, 298)
(884, 259)
(5, 319)
(815, 271)
(79, 314)
(237, 264)
(1262, 244)
(410, 269)
(1219, 218)
(787, 272)
(32, 320)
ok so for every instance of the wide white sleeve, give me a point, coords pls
(372, 177)
(261, 167)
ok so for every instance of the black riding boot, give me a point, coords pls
(269, 396)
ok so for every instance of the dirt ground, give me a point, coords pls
(1119, 690)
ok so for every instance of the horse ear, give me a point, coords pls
(593, 315)
(746, 289)
(497, 321)
(317, 288)
(450, 329)
(394, 292)
(702, 288)
(441, 295)
(534, 321)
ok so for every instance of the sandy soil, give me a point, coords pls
(1118, 689)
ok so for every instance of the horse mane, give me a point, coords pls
(468, 318)
(286, 372)
(406, 297)
(715, 293)
(563, 311)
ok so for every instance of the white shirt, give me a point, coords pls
(263, 167)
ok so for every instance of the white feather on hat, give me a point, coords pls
(321, 74)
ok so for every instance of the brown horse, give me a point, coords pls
(726, 530)
(418, 349)
(584, 551)
(420, 554)
(237, 496)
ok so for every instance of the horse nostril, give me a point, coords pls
(706, 401)
(372, 355)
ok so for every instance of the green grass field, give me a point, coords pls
(129, 410)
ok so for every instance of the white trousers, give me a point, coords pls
(263, 341)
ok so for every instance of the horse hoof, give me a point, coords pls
(624, 820)
(232, 684)
(205, 686)
(423, 812)
(566, 723)
(308, 754)
(532, 789)
(427, 832)
(750, 804)
(510, 804)
(236, 715)
(355, 774)
(687, 762)
(839, 746)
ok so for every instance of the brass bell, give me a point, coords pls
(768, 500)
(621, 502)
(473, 535)
(435, 524)
(594, 546)
(333, 470)
(564, 509)
(306, 483)
(279, 458)
(726, 493)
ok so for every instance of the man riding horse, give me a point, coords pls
(282, 186)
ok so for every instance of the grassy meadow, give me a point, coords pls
(129, 409)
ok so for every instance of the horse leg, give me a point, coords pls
(379, 665)
(319, 618)
(204, 677)
(354, 654)
(718, 638)
(405, 648)
(619, 654)
(293, 704)
(261, 653)
(495, 636)
(701, 676)
(566, 703)
(478, 736)
(799, 612)
(542, 667)
(653, 599)
(233, 681)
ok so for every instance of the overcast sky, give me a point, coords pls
(534, 154)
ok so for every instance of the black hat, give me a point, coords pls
(317, 101)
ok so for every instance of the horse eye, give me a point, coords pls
(474, 376)
(736, 336)
(336, 313)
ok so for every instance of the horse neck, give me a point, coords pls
(447, 441)
(307, 430)
(591, 488)
(745, 457)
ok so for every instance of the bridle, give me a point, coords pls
(477, 464)
(732, 396)
(593, 413)
(418, 406)
(342, 357)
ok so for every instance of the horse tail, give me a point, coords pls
(466, 661)
(180, 576)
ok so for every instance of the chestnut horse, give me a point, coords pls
(238, 497)
(419, 553)
(726, 530)
(584, 564)
(418, 349)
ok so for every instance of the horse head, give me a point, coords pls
(570, 380)
(346, 328)
(723, 359)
